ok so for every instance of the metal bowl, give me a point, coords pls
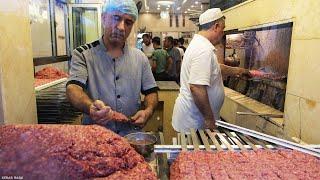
(142, 142)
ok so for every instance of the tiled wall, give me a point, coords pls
(16, 66)
(302, 108)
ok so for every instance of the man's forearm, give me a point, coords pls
(229, 71)
(78, 98)
(151, 102)
(201, 99)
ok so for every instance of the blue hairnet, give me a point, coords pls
(124, 6)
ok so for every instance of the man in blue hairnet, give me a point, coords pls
(107, 76)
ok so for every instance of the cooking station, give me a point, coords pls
(226, 138)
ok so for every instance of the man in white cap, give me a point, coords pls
(108, 75)
(202, 93)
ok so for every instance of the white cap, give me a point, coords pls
(210, 15)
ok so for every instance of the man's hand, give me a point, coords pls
(210, 124)
(100, 113)
(244, 72)
(141, 117)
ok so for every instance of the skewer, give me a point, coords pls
(234, 139)
(236, 136)
(189, 139)
(179, 139)
(163, 160)
(214, 140)
(204, 140)
(194, 139)
(183, 142)
(257, 142)
(248, 142)
(225, 142)
(269, 138)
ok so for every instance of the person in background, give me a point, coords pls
(108, 75)
(202, 92)
(162, 62)
(176, 44)
(174, 53)
(147, 47)
(181, 44)
(232, 60)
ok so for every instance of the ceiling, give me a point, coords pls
(174, 6)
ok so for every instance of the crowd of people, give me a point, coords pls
(165, 60)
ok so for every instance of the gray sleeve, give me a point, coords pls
(148, 83)
(78, 73)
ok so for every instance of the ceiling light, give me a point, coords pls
(165, 3)
(188, 9)
(184, 1)
(178, 8)
(192, 6)
(167, 8)
(158, 5)
(196, 2)
(158, 8)
(186, 12)
(147, 11)
(164, 14)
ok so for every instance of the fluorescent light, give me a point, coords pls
(184, 1)
(178, 8)
(186, 12)
(165, 3)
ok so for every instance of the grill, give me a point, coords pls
(267, 91)
(53, 106)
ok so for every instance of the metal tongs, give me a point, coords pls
(261, 114)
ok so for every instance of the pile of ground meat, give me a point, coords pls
(50, 73)
(261, 164)
(68, 152)
(47, 75)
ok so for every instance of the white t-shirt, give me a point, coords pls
(148, 50)
(200, 66)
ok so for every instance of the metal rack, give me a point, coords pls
(230, 137)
